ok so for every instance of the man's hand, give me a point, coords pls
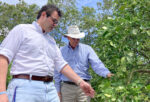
(60, 97)
(87, 89)
(3, 98)
(109, 75)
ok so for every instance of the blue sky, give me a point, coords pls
(38, 2)
(80, 3)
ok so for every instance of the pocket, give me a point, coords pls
(16, 83)
(11, 90)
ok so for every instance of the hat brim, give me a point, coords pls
(76, 36)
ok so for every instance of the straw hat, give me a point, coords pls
(74, 32)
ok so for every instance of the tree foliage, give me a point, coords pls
(11, 15)
(123, 43)
(89, 20)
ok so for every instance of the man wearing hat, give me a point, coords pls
(78, 56)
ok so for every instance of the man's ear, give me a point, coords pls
(68, 38)
(43, 14)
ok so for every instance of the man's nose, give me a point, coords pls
(77, 40)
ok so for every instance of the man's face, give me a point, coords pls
(50, 22)
(73, 42)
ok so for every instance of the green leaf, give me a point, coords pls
(123, 60)
(111, 43)
(148, 87)
(148, 32)
(134, 31)
(107, 95)
(113, 99)
(104, 27)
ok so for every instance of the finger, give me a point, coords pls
(90, 93)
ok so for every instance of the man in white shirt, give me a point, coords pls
(35, 55)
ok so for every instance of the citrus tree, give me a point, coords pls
(123, 44)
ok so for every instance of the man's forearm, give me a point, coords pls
(87, 89)
(3, 72)
(68, 72)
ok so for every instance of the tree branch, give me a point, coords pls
(140, 71)
(141, 53)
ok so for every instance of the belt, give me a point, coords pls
(37, 78)
(72, 83)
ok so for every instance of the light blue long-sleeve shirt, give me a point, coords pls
(79, 59)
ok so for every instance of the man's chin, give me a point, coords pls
(49, 30)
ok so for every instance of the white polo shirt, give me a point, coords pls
(32, 51)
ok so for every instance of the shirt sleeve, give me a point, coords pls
(97, 64)
(59, 61)
(11, 43)
(57, 79)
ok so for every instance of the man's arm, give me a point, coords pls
(97, 64)
(3, 76)
(68, 72)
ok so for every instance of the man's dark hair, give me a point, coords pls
(49, 9)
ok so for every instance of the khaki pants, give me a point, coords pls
(73, 93)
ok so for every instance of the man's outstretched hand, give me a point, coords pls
(109, 75)
(87, 89)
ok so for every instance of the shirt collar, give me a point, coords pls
(38, 27)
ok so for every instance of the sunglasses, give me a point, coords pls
(55, 21)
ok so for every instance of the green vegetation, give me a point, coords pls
(123, 44)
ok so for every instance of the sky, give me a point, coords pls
(38, 2)
(80, 3)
